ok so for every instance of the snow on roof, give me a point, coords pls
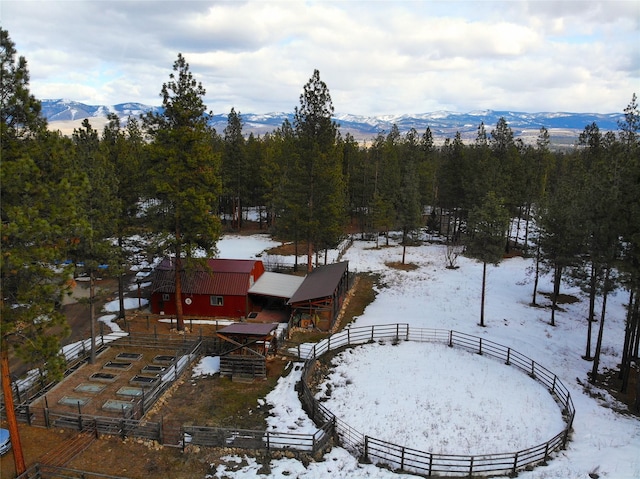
(320, 283)
(278, 285)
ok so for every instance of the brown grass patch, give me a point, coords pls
(216, 401)
(288, 249)
(401, 266)
(562, 298)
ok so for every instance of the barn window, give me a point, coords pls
(165, 296)
(216, 300)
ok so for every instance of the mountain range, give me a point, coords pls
(563, 127)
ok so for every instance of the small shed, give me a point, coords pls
(319, 298)
(218, 290)
(247, 346)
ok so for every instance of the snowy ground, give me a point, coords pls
(423, 418)
(375, 391)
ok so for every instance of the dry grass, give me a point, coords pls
(215, 401)
(401, 266)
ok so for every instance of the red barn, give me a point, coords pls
(220, 291)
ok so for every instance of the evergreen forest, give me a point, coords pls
(167, 184)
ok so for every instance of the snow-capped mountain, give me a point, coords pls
(64, 110)
(562, 126)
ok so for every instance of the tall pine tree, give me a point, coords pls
(487, 229)
(38, 213)
(319, 173)
(184, 175)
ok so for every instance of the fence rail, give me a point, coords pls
(426, 463)
(131, 422)
(46, 471)
(252, 439)
(329, 426)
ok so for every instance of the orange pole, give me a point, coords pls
(18, 456)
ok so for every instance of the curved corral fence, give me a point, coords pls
(403, 458)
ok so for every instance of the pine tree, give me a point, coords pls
(428, 169)
(101, 207)
(454, 186)
(124, 149)
(559, 225)
(319, 172)
(408, 200)
(382, 208)
(185, 175)
(234, 168)
(487, 228)
(629, 136)
(39, 214)
(40, 221)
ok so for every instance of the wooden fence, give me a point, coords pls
(45, 471)
(403, 458)
(329, 426)
(131, 422)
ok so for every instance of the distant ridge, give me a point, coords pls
(564, 127)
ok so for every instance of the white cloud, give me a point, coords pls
(375, 56)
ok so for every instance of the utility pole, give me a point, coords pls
(18, 456)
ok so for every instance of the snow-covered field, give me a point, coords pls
(430, 397)
(446, 400)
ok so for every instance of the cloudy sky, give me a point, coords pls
(376, 56)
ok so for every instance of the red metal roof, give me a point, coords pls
(227, 277)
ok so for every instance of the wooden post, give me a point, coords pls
(546, 452)
(508, 357)
(12, 422)
(366, 448)
(18, 393)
